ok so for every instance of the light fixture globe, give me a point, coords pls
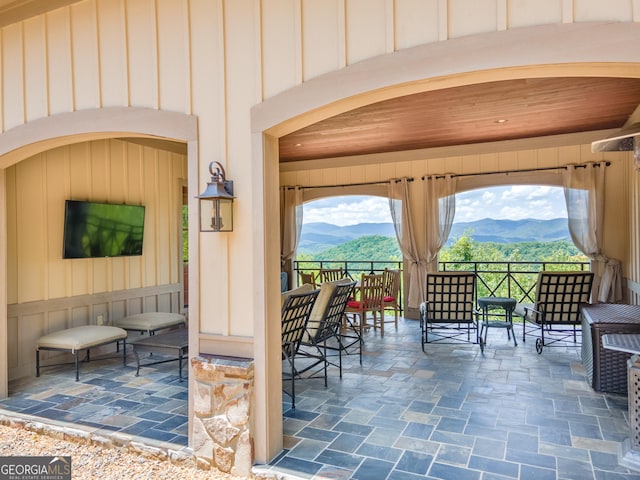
(216, 202)
(627, 139)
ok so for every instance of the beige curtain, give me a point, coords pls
(440, 201)
(584, 196)
(400, 206)
(290, 222)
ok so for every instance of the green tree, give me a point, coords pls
(489, 257)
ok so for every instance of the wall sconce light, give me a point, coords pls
(216, 202)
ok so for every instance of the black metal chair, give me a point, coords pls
(556, 311)
(324, 339)
(295, 315)
(449, 313)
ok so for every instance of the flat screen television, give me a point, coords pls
(93, 229)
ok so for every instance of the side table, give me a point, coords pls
(487, 304)
(174, 344)
(629, 450)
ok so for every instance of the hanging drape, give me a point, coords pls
(400, 207)
(584, 196)
(439, 199)
(290, 221)
(440, 209)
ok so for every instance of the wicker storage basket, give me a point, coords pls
(607, 369)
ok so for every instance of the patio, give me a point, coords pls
(454, 413)
(107, 399)
(448, 413)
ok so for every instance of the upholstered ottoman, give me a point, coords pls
(607, 369)
(150, 322)
(74, 340)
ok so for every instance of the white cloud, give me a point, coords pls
(348, 210)
(511, 202)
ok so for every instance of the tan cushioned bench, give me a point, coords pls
(79, 338)
(150, 321)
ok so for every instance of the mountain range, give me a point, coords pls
(319, 236)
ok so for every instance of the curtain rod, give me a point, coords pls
(409, 179)
(507, 172)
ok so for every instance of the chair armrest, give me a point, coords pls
(531, 313)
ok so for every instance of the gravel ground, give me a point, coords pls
(95, 462)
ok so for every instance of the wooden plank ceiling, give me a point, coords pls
(486, 112)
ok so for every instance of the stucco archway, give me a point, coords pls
(589, 49)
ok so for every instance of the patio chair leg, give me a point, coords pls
(293, 386)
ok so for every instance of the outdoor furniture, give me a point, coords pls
(150, 322)
(487, 306)
(323, 333)
(448, 312)
(629, 450)
(392, 292)
(556, 311)
(76, 339)
(371, 300)
(294, 317)
(330, 274)
(309, 278)
(174, 344)
(606, 369)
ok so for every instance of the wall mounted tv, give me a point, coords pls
(94, 229)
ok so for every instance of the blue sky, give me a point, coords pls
(511, 202)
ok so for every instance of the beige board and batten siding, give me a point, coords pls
(214, 60)
(48, 293)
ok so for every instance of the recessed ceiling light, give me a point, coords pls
(298, 144)
(501, 120)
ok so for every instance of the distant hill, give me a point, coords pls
(513, 231)
(317, 237)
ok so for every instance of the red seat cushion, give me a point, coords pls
(353, 304)
(389, 299)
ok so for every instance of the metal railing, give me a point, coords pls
(352, 268)
(510, 279)
(496, 279)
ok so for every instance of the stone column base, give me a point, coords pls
(221, 431)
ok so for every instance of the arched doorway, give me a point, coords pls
(169, 131)
(449, 64)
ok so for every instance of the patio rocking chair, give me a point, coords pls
(294, 317)
(556, 311)
(449, 312)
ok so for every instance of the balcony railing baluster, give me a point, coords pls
(503, 279)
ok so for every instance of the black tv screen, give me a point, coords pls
(94, 229)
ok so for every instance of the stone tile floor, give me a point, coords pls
(454, 413)
(108, 397)
(449, 413)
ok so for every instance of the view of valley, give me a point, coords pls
(485, 240)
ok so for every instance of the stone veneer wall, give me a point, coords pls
(221, 432)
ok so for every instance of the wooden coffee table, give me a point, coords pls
(174, 344)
